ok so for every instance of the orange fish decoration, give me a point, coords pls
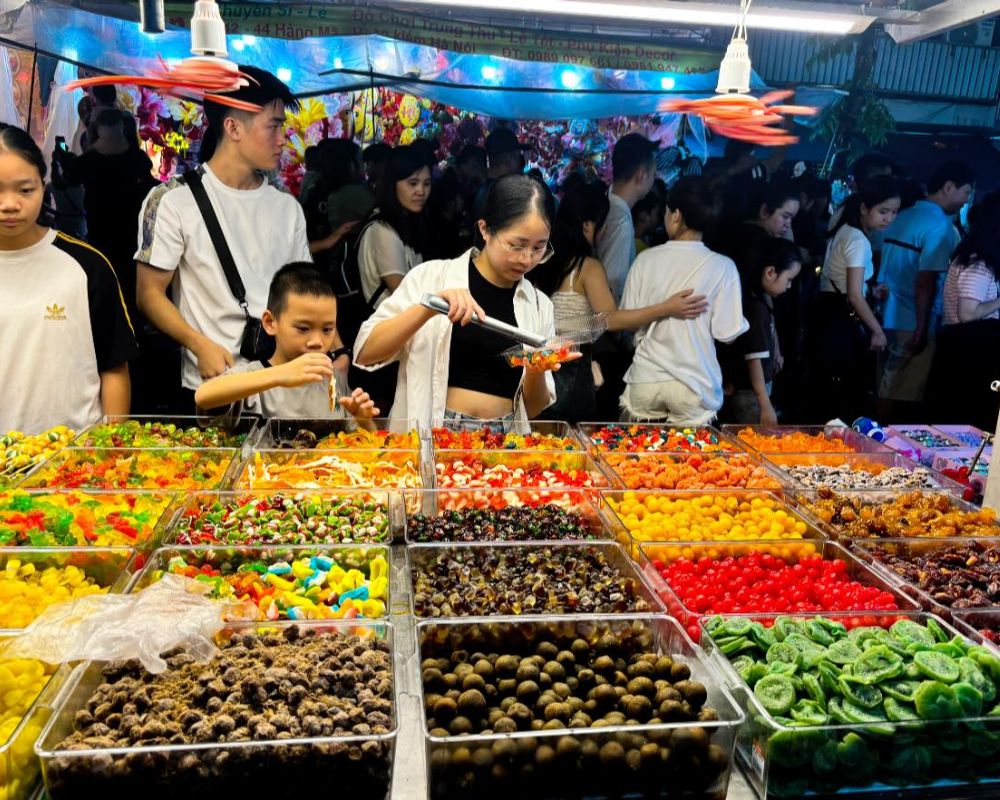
(192, 79)
(743, 116)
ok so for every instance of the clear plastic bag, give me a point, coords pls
(173, 612)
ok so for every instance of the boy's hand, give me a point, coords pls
(359, 405)
(306, 369)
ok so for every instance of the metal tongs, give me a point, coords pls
(440, 305)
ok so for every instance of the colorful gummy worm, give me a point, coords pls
(652, 438)
(136, 469)
(490, 439)
(305, 471)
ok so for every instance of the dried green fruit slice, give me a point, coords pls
(809, 712)
(899, 712)
(775, 693)
(876, 664)
(936, 700)
(907, 631)
(969, 698)
(972, 674)
(902, 690)
(861, 694)
(843, 652)
(937, 666)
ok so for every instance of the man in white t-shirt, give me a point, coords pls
(634, 164)
(265, 228)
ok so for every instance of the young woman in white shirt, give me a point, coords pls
(846, 327)
(675, 375)
(447, 367)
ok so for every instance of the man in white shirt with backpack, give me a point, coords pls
(228, 206)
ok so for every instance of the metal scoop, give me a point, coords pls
(440, 305)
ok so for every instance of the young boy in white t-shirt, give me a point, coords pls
(299, 380)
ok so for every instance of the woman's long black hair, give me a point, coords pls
(874, 191)
(411, 228)
(588, 203)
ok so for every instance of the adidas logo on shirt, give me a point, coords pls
(55, 312)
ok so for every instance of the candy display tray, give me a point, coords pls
(305, 458)
(172, 505)
(802, 498)
(518, 427)
(347, 556)
(279, 433)
(224, 769)
(863, 548)
(249, 426)
(765, 477)
(570, 778)
(18, 762)
(868, 462)
(850, 437)
(969, 621)
(760, 738)
(419, 556)
(631, 542)
(442, 502)
(587, 429)
(386, 503)
(529, 459)
(966, 435)
(227, 458)
(113, 568)
(790, 551)
(900, 439)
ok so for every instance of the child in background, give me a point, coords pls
(751, 362)
(301, 315)
(65, 336)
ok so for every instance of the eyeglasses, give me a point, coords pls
(537, 254)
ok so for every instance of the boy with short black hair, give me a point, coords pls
(299, 380)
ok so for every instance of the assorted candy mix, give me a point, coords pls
(73, 518)
(694, 471)
(927, 437)
(136, 433)
(656, 439)
(901, 515)
(21, 681)
(547, 522)
(326, 585)
(313, 471)
(544, 358)
(133, 469)
(283, 518)
(360, 439)
(870, 475)
(718, 516)
(471, 472)
(793, 442)
(487, 438)
(20, 452)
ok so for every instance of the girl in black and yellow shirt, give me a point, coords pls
(65, 337)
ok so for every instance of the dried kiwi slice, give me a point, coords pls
(783, 652)
(861, 694)
(907, 631)
(899, 712)
(937, 666)
(810, 683)
(775, 693)
(902, 690)
(936, 630)
(876, 664)
(843, 652)
(859, 714)
(969, 698)
(972, 674)
(810, 713)
(936, 700)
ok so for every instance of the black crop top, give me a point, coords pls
(475, 362)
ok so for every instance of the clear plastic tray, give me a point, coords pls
(557, 428)
(968, 436)
(357, 765)
(19, 767)
(525, 459)
(380, 521)
(863, 549)
(249, 427)
(111, 568)
(230, 559)
(778, 760)
(367, 460)
(789, 551)
(901, 438)
(804, 500)
(867, 462)
(850, 438)
(762, 476)
(383, 434)
(419, 556)
(221, 463)
(970, 623)
(443, 502)
(587, 430)
(631, 539)
(568, 764)
(167, 503)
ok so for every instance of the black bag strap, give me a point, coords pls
(354, 252)
(194, 180)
